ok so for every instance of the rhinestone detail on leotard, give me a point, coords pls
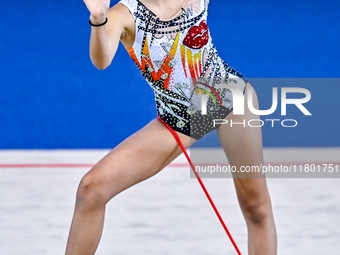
(179, 61)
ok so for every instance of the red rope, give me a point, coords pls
(202, 185)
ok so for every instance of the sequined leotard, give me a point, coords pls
(179, 61)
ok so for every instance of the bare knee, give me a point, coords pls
(256, 209)
(91, 192)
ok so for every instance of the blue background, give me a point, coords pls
(53, 97)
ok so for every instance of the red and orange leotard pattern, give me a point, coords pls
(177, 58)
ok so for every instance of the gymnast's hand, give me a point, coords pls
(98, 10)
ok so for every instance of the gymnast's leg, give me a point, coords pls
(243, 147)
(136, 159)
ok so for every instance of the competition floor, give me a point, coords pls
(167, 214)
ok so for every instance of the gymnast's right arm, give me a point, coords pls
(104, 39)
